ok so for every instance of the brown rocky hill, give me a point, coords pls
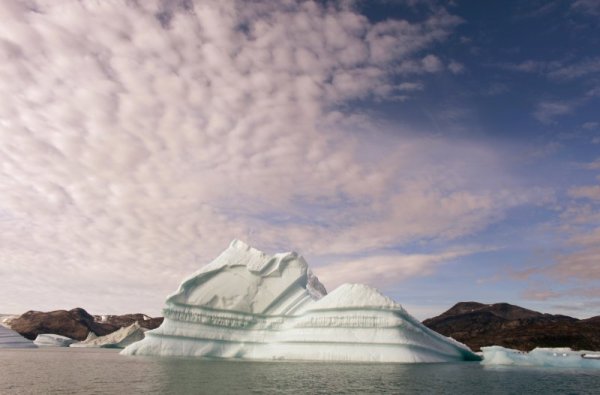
(478, 325)
(76, 323)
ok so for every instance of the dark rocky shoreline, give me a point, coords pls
(478, 325)
(77, 323)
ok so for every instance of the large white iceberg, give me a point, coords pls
(547, 357)
(11, 339)
(248, 305)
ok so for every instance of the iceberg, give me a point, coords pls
(118, 339)
(246, 304)
(562, 357)
(53, 340)
(11, 339)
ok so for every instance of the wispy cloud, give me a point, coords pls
(496, 88)
(595, 91)
(581, 233)
(588, 7)
(410, 86)
(548, 111)
(384, 270)
(432, 64)
(456, 67)
(527, 66)
(571, 270)
(575, 70)
(543, 293)
(559, 70)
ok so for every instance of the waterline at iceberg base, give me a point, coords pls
(248, 305)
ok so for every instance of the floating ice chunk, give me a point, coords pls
(11, 339)
(52, 340)
(118, 339)
(552, 357)
(248, 305)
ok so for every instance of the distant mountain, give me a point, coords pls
(478, 325)
(76, 323)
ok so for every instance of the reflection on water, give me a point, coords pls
(100, 371)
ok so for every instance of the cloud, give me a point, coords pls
(432, 64)
(576, 70)
(384, 270)
(138, 138)
(527, 66)
(410, 86)
(456, 67)
(594, 92)
(547, 111)
(590, 125)
(572, 270)
(587, 7)
(579, 302)
(591, 192)
(496, 88)
(580, 231)
(582, 265)
(595, 165)
(542, 293)
(557, 70)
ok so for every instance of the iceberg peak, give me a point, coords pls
(245, 279)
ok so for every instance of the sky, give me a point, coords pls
(440, 151)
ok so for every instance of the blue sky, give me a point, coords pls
(440, 151)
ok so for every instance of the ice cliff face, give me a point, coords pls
(248, 305)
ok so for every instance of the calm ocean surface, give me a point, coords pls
(102, 371)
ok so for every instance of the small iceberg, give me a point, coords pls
(53, 340)
(246, 304)
(11, 339)
(562, 357)
(118, 339)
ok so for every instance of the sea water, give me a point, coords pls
(103, 371)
